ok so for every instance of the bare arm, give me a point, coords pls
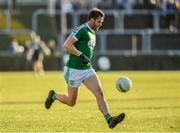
(69, 46)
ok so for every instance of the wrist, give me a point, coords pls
(80, 53)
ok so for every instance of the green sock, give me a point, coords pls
(107, 117)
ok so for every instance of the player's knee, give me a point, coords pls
(72, 103)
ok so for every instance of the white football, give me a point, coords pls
(123, 84)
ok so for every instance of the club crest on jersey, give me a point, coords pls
(91, 44)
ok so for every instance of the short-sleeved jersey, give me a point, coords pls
(85, 42)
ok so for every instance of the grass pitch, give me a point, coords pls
(153, 104)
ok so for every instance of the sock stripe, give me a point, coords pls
(107, 117)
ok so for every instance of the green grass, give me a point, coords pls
(153, 104)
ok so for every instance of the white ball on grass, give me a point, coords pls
(123, 84)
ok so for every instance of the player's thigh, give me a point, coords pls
(94, 85)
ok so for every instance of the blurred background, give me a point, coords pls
(136, 35)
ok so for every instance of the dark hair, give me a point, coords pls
(95, 13)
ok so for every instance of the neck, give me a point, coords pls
(90, 24)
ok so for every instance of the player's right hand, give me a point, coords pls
(84, 59)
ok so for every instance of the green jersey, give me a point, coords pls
(85, 42)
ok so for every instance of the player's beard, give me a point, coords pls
(97, 28)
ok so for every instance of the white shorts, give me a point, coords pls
(74, 77)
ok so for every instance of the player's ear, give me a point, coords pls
(92, 19)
